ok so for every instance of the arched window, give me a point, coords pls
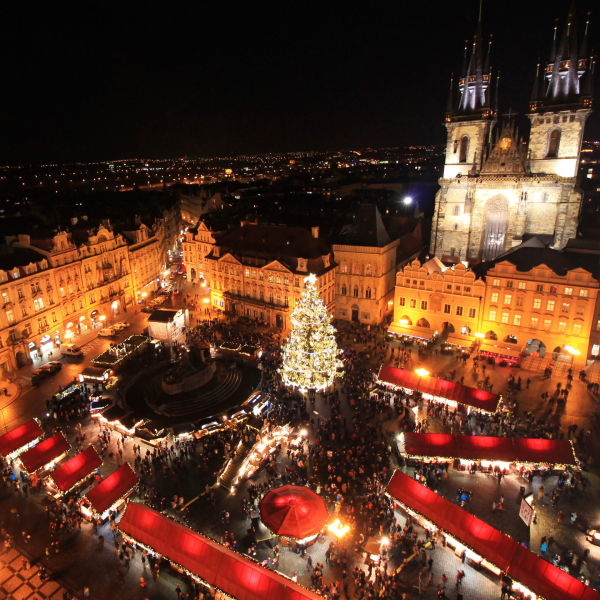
(344, 289)
(356, 269)
(368, 293)
(278, 299)
(553, 143)
(455, 226)
(369, 270)
(356, 291)
(456, 209)
(344, 268)
(464, 147)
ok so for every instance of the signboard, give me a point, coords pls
(595, 349)
(526, 512)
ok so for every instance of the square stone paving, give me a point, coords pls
(23, 592)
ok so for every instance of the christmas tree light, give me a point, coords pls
(310, 359)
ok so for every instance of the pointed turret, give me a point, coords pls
(536, 86)
(449, 105)
(496, 92)
(567, 72)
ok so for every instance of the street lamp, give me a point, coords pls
(480, 335)
(422, 372)
(572, 351)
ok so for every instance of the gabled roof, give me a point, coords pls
(367, 229)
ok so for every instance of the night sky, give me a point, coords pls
(210, 79)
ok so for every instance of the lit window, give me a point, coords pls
(550, 305)
(522, 285)
(534, 322)
(517, 320)
(495, 297)
(562, 327)
(547, 324)
(492, 316)
(507, 298)
(568, 291)
(504, 317)
(537, 303)
(576, 329)
(496, 282)
(583, 293)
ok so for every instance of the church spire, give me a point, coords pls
(449, 105)
(567, 72)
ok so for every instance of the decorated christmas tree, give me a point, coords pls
(310, 354)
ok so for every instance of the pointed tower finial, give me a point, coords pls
(496, 92)
(449, 106)
(486, 68)
(480, 9)
(553, 50)
(583, 49)
(536, 88)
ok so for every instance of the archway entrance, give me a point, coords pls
(354, 312)
(405, 321)
(279, 320)
(423, 323)
(193, 274)
(447, 327)
(535, 347)
(491, 335)
(496, 220)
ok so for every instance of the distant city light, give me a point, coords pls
(407, 200)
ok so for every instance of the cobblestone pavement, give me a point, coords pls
(20, 580)
(83, 562)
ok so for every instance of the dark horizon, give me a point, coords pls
(212, 81)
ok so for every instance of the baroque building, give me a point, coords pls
(497, 188)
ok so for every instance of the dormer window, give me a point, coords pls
(301, 264)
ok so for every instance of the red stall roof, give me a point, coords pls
(44, 452)
(486, 541)
(19, 437)
(538, 575)
(440, 388)
(229, 571)
(115, 486)
(483, 447)
(76, 469)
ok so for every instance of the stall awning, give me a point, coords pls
(44, 452)
(467, 343)
(486, 541)
(538, 575)
(111, 489)
(546, 580)
(237, 576)
(440, 388)
(21, 436)
(485, 447)
(500, 349)
(76, 469)
(96, 373)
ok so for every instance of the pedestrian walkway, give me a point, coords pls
(19, 580)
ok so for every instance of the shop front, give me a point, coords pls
(83, 324)
(46, 344)
(96, 319)
(34, 351)
(70, 331)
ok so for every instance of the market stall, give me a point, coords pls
(440, 390)
(75, 472)
(488, 451)
(45, 455)
(124, 421)
(20, 439)
(204, 560)
(95, 375)
(500, 353)
(294, 512)
(485, 546)
(110, 494)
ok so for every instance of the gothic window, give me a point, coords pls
(553, 143)
(368, 293)
(344, 289)
(468, 203)
(456, 209)
(344, 268)
(369, 270)
(356, 291)
(455, 226)
(464, 146)
(356, 269)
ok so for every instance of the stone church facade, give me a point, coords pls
(496, 187)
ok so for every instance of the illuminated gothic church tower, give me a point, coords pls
(497, 187)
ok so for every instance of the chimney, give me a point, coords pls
(73, 220)
(315, 232)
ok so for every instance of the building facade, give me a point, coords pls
(197, 245)
(366, 271)
(496, 188)
(258, 271)
(430, 299)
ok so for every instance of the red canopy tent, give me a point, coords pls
(440, 388)
(293, 511)
(111, 489)
(15, 441)
(76, 469)
(216, 565)
(44, 452)
(536, 574)
(483, 447)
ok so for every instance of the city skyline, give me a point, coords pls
(87, 87)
